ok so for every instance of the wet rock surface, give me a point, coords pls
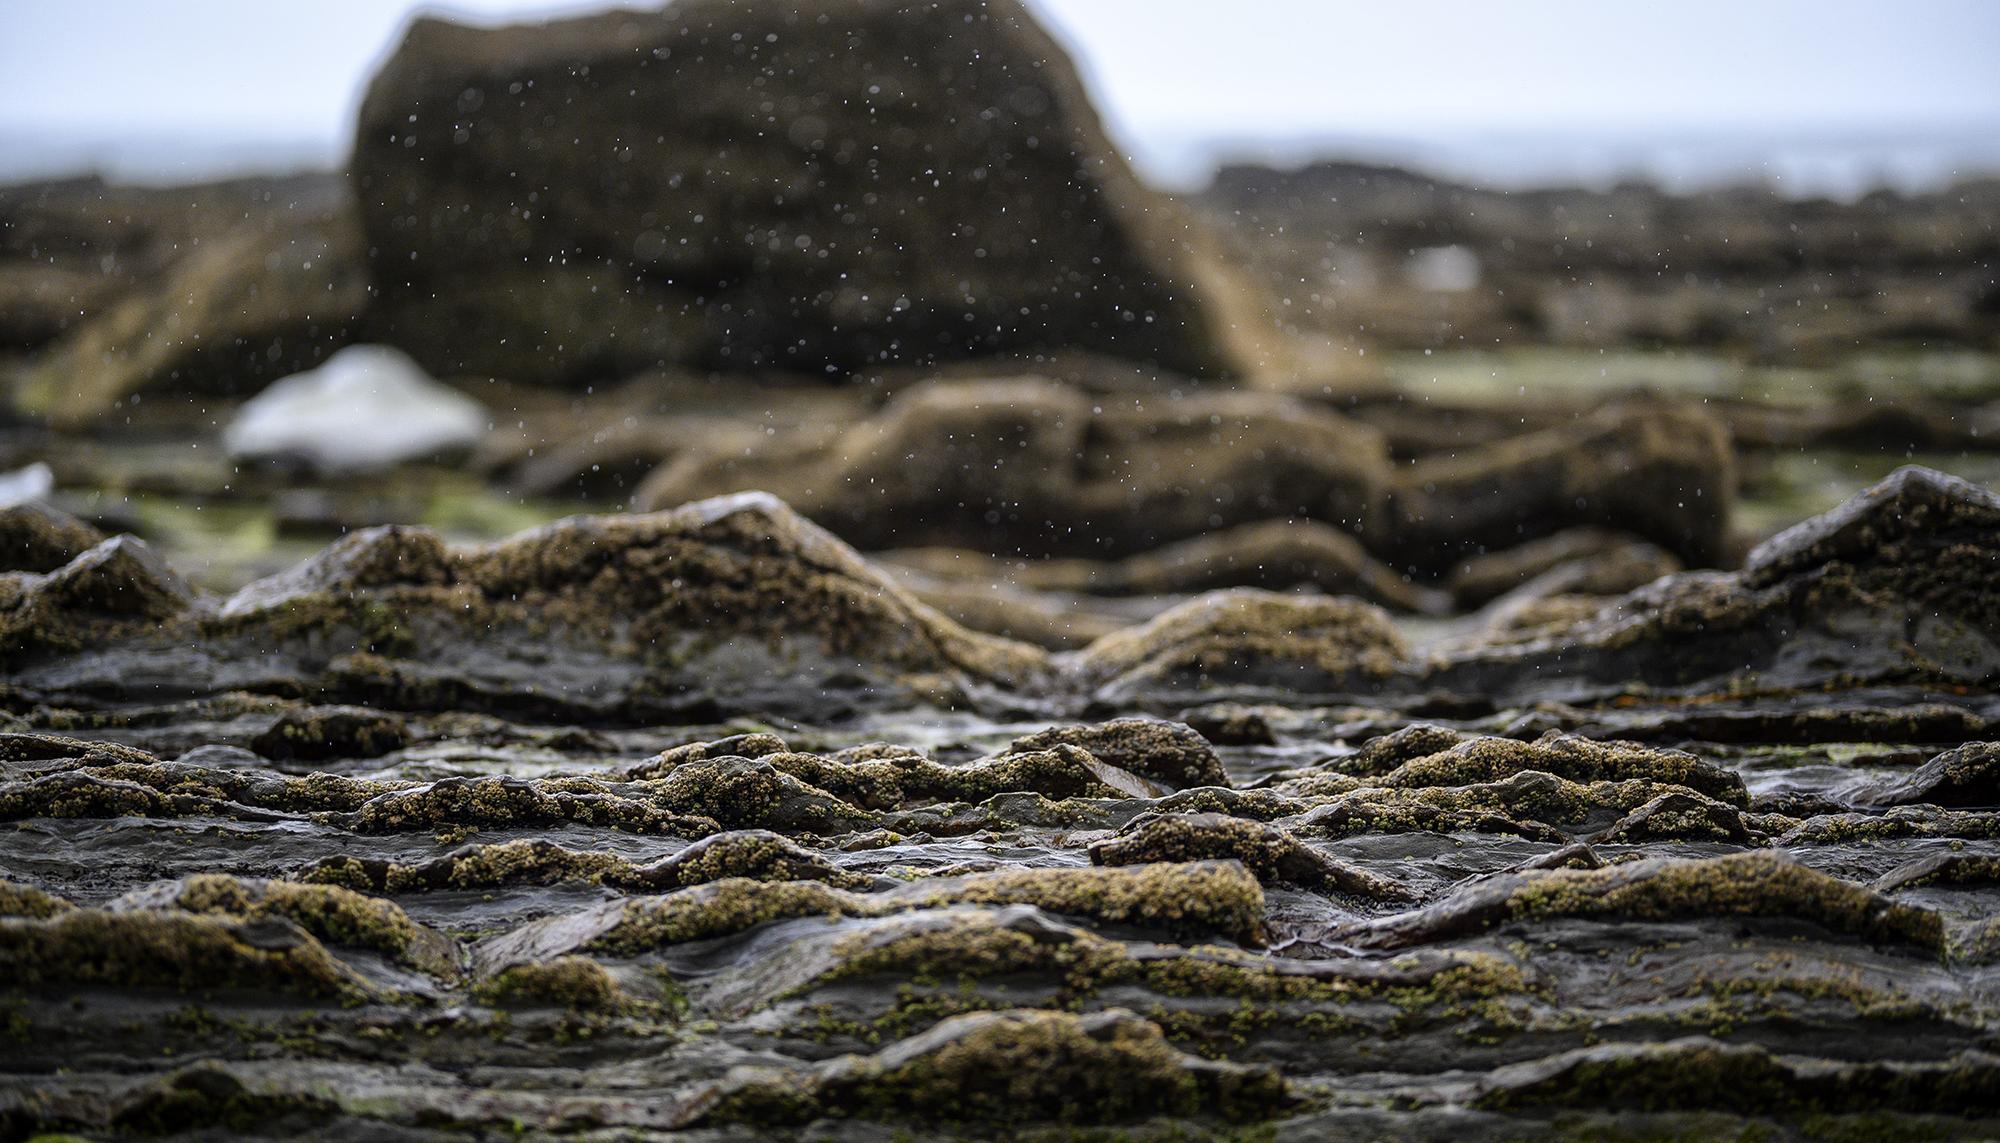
(696, 824)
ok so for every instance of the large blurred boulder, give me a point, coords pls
(815, 187)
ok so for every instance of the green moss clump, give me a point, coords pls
(1571, 757)
(167, 950)
(1737, 885)
(754, 793)
(1194, 898)
(1244, 634)
(1015, 1067)
(756, 854)
(1172, 753)
(718, 909)
(17, 900)
(335, 915)
(496, 802)
(573, 982)
(1268, 851)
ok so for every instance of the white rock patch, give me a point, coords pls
(366, 407)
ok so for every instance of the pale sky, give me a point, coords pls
(106, 72)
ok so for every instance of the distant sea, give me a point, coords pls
(1834, 163)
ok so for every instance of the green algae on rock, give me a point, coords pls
(147, 949)
(1201, 898)
(758, 854)
(1266, 850)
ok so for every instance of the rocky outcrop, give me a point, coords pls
(1028, 467)
(734, 602)
(749, 187)
(1661, 472)
(1895, 585)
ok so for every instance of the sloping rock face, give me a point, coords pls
(212, 289)
(1895, 586)
(815, 187)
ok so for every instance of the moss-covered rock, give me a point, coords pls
(1250, 639)
(1758, 884)
(1663, 472)
(1268, 851)
(1193, 899)
(1027, 467)
(574, 982)
(878, 237)
(337, 917)
(1968, 776)
(1170, 753)
(147, 949)
(1896, 586)
(736, 603)
(1568, 756)
(316, 734)
(1012, 1067)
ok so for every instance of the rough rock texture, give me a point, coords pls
(821, 188)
